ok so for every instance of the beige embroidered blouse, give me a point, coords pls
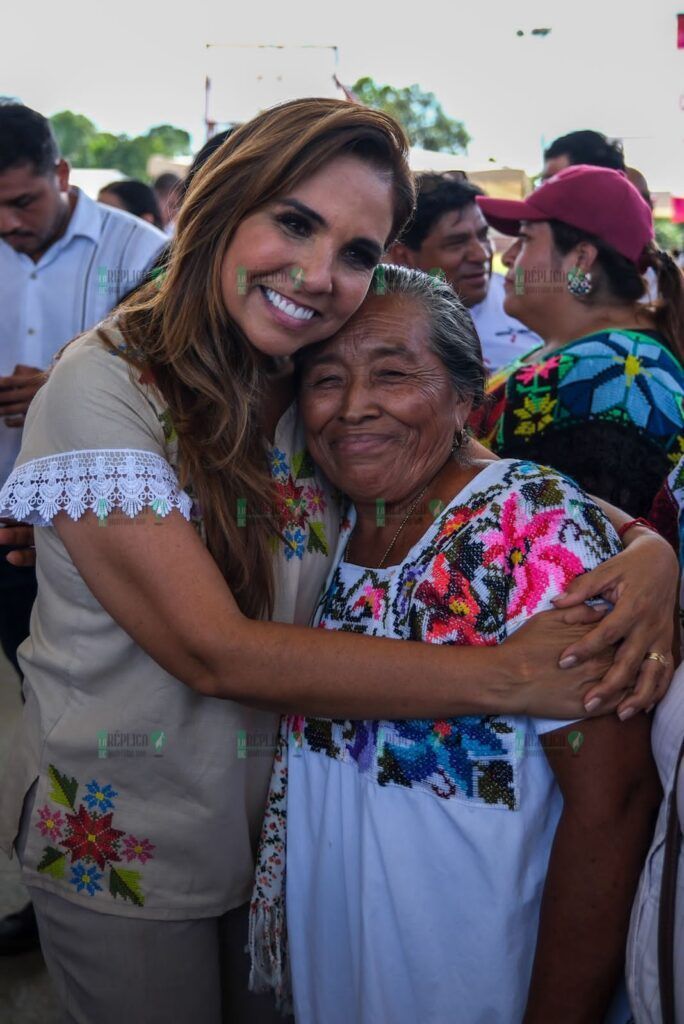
(149, 796)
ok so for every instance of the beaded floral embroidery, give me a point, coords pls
(84, 842)
(300, 503)
(485, 567)
(621, 377)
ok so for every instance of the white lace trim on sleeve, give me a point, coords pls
(99, 480)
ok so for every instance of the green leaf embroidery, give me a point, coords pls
(317, 540)
(167, 426)
(63, 789)
(53, 862)
(126, 884)
(297, 460)
(302, 465)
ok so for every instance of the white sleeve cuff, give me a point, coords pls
(97, 480)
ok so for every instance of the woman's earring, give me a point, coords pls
(460, 438)
(579, 281)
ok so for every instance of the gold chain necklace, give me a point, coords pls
(411, 509)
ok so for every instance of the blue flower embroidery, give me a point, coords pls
(99, 797)
(451, 752)
(295, 541)
(621, 374)
(278, 463)
(86, 877)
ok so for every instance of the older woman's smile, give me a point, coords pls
(355, 443)
(379, 405)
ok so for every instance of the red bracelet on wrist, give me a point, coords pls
(635, 522)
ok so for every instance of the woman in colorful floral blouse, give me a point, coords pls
(603, 398)
(445, 869)
(164, 462)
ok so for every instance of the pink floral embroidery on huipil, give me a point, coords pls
(527, 548)
(50, 822)
(315, 499)
(137, 849)
(543, 369)
(371, 599)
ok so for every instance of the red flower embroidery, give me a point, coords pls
(451, 606)
(291, 506)
(456, 520)
(92, 835)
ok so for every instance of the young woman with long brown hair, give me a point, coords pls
(166, 462)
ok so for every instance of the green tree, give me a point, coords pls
(75, 135)
(421, 114)
(83, 145)
(668, 235)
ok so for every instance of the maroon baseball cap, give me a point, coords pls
(598, 200)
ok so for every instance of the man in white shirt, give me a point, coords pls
(65, 262)
(449, 236)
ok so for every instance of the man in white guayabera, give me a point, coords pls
(65, 262)
(449, 236)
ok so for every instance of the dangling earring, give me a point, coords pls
(579, 281)
(460, 438)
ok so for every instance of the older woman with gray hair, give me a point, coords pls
(474, 869)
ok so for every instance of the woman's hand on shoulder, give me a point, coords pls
(641, 584)
(538, 686)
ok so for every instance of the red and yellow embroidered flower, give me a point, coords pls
(371, 599)
(543, 369)
(528, 551)
(137, 849)
(291, 506)
(451, 605)
(92, 835)
(51, 822)
(456, 521)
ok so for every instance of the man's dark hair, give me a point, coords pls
(437, 194)
(137, 197)
(166, 182)
(587, 147)
(26, 138)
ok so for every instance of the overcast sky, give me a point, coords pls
(606, 64)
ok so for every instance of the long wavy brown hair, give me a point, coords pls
(210, 376)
